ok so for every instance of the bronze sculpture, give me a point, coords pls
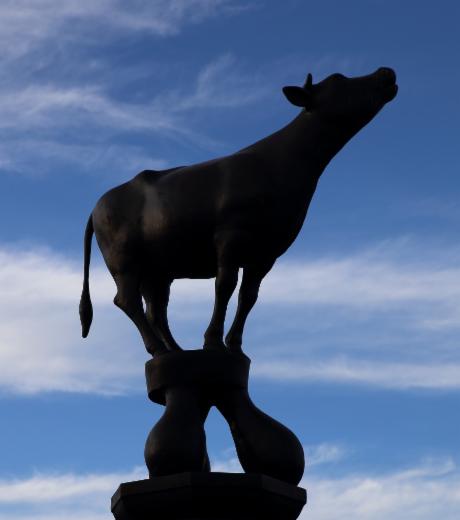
(240, 211)
(209, 220)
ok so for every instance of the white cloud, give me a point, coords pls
(39, 106)
(62, 495)
(63, 487)
(228, 465)
(323, 454)
(57, 514)
(49, 125)
(38, 277)
(33, 158)
(57, 103)
(40, 344)
(430, 490)
(374, 278)
(315, 456)
(377, 279)
(421, 493)
(219, 85)
(25, 23)
(396, 375)
(41, 348)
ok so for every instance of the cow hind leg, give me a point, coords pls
(249, 291)
(157, 299)
(226, 281)
(129, 300)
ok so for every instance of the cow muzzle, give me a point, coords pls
(386, 78)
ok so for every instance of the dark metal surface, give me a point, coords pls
(189, 383)
(212, 496)
(211, 219)
(207, 370)
(207, 220)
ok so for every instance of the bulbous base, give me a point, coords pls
(188, 383)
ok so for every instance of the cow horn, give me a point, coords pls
(308, 82)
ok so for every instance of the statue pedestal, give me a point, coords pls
(181, 486)
(188, 383)
(208, 496)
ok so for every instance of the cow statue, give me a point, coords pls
(239, 211)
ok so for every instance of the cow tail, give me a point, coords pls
(86, 308)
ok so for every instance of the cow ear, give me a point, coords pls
(298, 96)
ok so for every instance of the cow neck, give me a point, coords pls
(303, 148)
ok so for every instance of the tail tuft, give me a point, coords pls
(86, 308)
(86, 312)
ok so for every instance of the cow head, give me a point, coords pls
(349, 101)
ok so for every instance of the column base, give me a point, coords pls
(208, 496)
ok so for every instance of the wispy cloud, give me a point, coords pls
(429, 490)
(47, 125)
(227, 464)
(316, 455)
(39, 332)
(32, 158)
(60, 105)
(39, 106)
(63, 487)
(392, 276)
(380, 277)
(219, 85)
(395, 375)
(28, 22)
(41, 348)
(325, 453)
(62, 495)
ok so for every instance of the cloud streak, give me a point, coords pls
(39, 333)
(325, 453)
(218, 84)
(76, 124)
(61, 107)
(62, 495)
(41, 348)
(38, 106)
(372, 278)
(429, 490)
(25, 23)
(42, 488)
(396, 375)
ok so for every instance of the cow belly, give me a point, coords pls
(181, 256)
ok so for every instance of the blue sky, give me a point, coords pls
(354, 341)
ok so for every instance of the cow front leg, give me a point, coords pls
(249, 291)
(226, 280)
(129, 300)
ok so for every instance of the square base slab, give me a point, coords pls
(210, 496)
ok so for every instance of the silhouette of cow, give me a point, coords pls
(211, 219)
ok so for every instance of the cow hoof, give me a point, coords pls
(174, 347)
(233, 345)
(215, 345)
(235, 349)
(158, 351)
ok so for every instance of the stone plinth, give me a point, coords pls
(208, 496)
